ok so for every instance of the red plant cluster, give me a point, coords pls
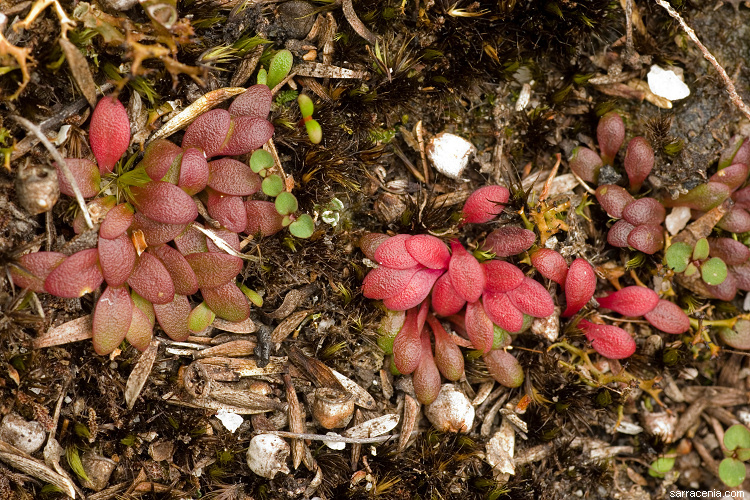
(639, 225)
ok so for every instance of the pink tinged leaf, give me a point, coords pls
(585, 163)
(532, 298)
(159, 157)
(726, 290)
(230, 238)
(262, 218)
(550, 264)
(426, 377)
(742, 198)
(424, 308)
(109, 134)
(36, 267)
(385, 282)
(445, 299)
(76, 276)
(173, 317)
(151, 280)
(112, 317)
(639, 161)
(144, 305)
(213, 269)
(193, 172)
(467, 275)
(448, 357)
(165, 203)
(407, 345)
(644, 211)
(255, 101)
(731, 251)
(610, 133)
(737, 151)
(733, 176)
(208, 132)
(668, 317)
(703, 197)
(393, 253)
(141, 330)
(415, 292)
(504, 368)
(183, 277)
(191, 241)
(503, 312)
(228, 210)
(479, 326)
(485, 204)
(741, 275)
(227, 301)
(619, 232)
(736, 220)
(246, 134)
(630, 301)
(509, 240)
(580, 286)
(156, 233)
(86, 174)
(608, 340)
(648, 238)
(429, 251)
(501, 276)
(117, 221)
(613, 199)
(117, 258)
(233, 177)
(370, 242)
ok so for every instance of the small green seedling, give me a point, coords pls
(306, 107)
(682, 258)
(280, 66)
(737, 444)
(661, 466)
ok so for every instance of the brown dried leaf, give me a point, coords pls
(292, 300)
(287, 326)
(373, 427)
(248, 367)
(296, 424)
(361, 397)
(232, 349)
(72, 331)
(138, 377)
(29, 465)
(411, 411)
(247, 326)
(79, 66)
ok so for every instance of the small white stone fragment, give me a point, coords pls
(746, 303)
(451, 411)
(267, 455)
(626, 427)
(334, 445)
(666, 84)
(677, 220)
(449, 154)
(24, 435)
(229, 419)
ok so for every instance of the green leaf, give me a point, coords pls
(700, 251)
(314, 131)
(732, 472)
(306, 105)
(303, 227)
(286, 203)
(280, 66)
(262, 76)
(389, 327)
(677, 256)
(714, 271)
(74, 460)
(502, 338)
(661, 466)
(252, 296)
(260, 161)
(737, 436)
(273, 185)
(743, 454)
(200, 317)
(691, 269)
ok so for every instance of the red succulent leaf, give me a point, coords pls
(479, 326)
(233, 177)
(255, 101)
(230, 238)
(193, 176)
(144, 305)
(415, 292)
(151, 280)
(639, 161)
(208, 132)
(467, 275)
(703, 197)
(159, 157)
(407, 345)
(228, 210)
(580, 286)
(214, 269)
(610, 133)
(86, 174)
(648, 238)
(531, 298)
(504, 368)
(630, 301)
(429, 251)
(112, 317)
(246, 134)
(117, 221)
(227, 301)
(164, 202)
(741, 275)
(502, 311)
(385, 282)
(737, 151)
(550, 264)
(668, 317)
(608, 340)
(445, 299)
(109, 134)
(726, 290)
(156, 233)
(501, 276)
(585, 163)
(173, 317)
(424, 309)
(370, 242)
(619, 232)
(141, 330)
(191, 241)
(613, 199)
(76, 276)
(262, 218)
(644, 211)
(183, 277)
(742, 198)
(448, 357)
(426, 377)
(733, 176)
(509, 240)
(731, 251)
(485, 204)
(35, 267)
(117, 258)
(736, 220)
(393, 253)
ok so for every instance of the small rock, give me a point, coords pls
(296, 18)
(24, 435)
(267, 455)
(161, 450)
(451, 411)
(449, 154)
(665, 83)
(677, 220)
(98, 469)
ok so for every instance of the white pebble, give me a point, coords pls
(230, 420)
(665, 83)
(449, 154)
(677, 219)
